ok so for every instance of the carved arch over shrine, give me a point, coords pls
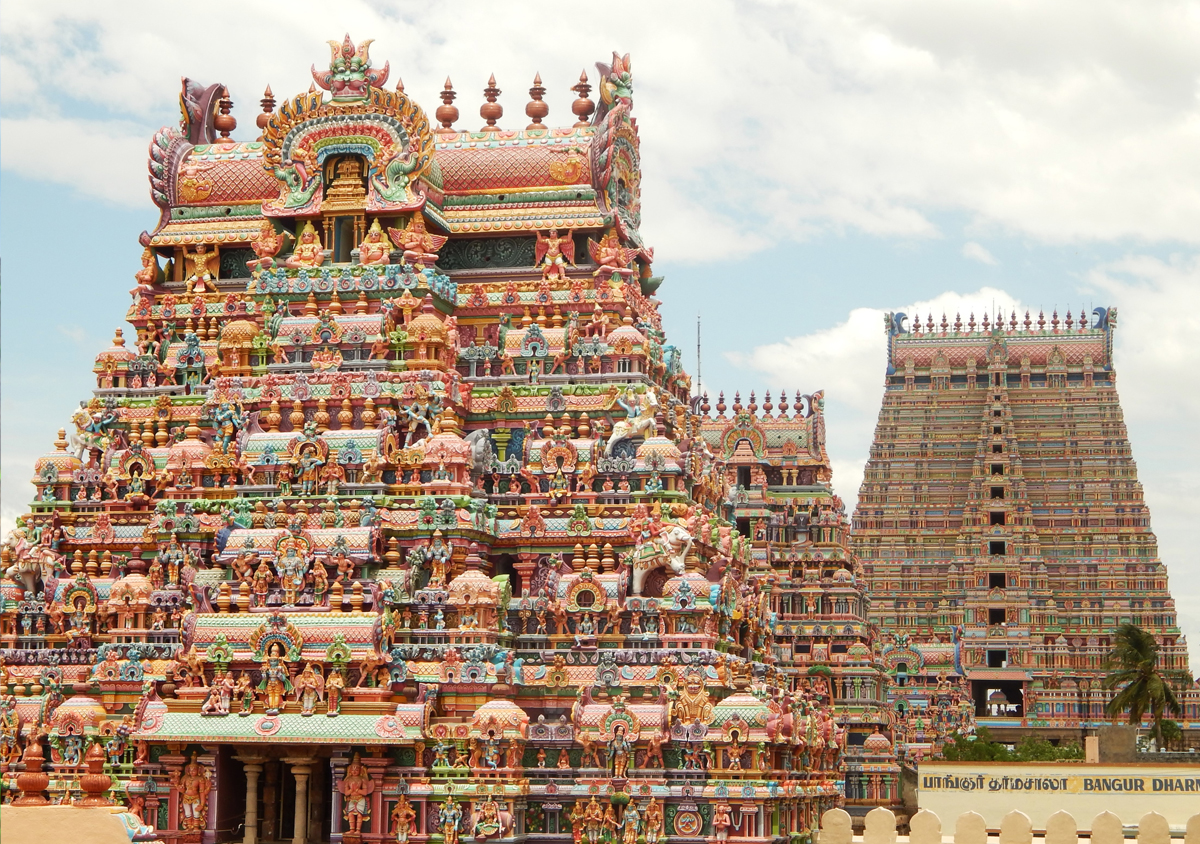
(389, 131)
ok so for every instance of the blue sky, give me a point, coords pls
(807, 166)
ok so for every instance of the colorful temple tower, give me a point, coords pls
(1002, 526)
(814, 592)
(390, 520)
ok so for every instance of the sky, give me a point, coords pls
(808, 166)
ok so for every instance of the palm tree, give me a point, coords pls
(1144, 687)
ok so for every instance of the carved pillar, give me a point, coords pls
(301, 768)
(377, 767)
(526, 565)
(253, 766)
(270, 818)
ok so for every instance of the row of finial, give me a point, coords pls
(1056, 324)
(752, 407)
(447, 112)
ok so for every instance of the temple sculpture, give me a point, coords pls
(390, 517)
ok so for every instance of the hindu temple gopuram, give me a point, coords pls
(390, 519)
(1002, 527)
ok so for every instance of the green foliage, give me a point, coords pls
(1172, 734)
(1144, 687)
(983, 749)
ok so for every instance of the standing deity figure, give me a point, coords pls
(553, 253)
(263, 578)
(201, 266)
(310, 687)
(194, 785)
(228, 419)
(630, 825)
(320, 582)
(292, 567)
(577, 822)
(722, 820)
(334, 686)
(374, 250)
(355, 786)
(403, 816)
(309, 252)
(654, 756)
(450, 817)
(434, 557)
(654, 821)
(619, 752)
(266, 247)
(420, 247)
(245, 693)
(593, 821)
(308, 468)
(276, 681)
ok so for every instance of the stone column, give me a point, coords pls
(253, 766)
(301, 768)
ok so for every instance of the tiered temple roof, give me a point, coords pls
(390, 518)
(1001, 523)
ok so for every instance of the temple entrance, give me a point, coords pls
(998, 698)
(266, 809)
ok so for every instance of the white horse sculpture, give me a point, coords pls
(481, 450)
(30, 562)
(670, 548)
(640, 419)
(81, 439)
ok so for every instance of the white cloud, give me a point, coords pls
(75, 333)
(114, 168)
(1068, 121)
(978, 252)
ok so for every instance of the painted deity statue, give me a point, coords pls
(487, 822)
(335, 684)
(310, 687)
(619, 752)
(630, 824)
(201, 267)
(653, 821)
(356, 785)
(148, 274)
(309, 252)
(722, 820)
(374, 250)
(610, 256)
(194, 784)
(593, 821)
(228, 419)
(276, 681)
(553, 253)
(449, 818)
(292, 566)
(266, 246)
(403, 816)
(420, 247)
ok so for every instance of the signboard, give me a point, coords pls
(993, 789)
